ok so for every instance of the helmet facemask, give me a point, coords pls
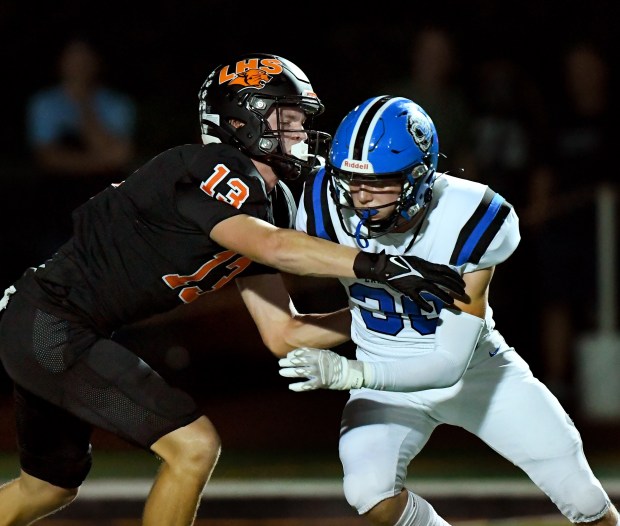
(416, 183)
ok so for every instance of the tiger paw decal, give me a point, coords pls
(253, 72)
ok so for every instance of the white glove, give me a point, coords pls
(324, 370)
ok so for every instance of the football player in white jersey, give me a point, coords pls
(417, 367)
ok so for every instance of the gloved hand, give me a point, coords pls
(411, 275)
(323, 369)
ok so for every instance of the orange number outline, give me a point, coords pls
(189, 293)
(238, 193)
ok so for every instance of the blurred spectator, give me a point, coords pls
(509, 123)
(562, 209)
(81, 135)
(509, 119)
(433, 82)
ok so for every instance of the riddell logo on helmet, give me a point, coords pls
(357, 166)
(253, 72)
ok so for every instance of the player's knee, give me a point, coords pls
(388, 510)
(583, 500)
(364, 491)
(201, 455)
(194, 448)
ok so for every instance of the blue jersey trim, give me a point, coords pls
(480, 229)
(317, 192)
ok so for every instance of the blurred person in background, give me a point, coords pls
(81, 134)
(561, 209)
(432, 79)
(191, 220)
(508, 126)
(509, 138)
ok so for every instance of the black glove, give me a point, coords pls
(411, 275)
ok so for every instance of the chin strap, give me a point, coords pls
(362, 242)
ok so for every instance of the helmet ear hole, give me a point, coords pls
(419, 170)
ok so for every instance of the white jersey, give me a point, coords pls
(467, 226)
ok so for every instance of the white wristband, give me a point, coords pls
(354, 374)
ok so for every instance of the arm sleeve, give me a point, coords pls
(455, 341)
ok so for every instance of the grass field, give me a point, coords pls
(536, 521)
(274, 484)
(283, 488)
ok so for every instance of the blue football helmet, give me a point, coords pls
(384, 138)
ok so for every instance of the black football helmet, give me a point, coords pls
(247, 89)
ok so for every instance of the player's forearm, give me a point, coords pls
(280, 326)
(455, 342)
(298, 253)
(314, 330)
(442, 367)
(285, 249)
(283, 330)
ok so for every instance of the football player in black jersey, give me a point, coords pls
(186, 223)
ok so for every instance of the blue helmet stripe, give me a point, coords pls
(360, 130)
(365, 126)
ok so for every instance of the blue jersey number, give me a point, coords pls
(384, 319)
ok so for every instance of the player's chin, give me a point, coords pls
(378, 218)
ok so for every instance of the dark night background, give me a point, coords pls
(160, 53)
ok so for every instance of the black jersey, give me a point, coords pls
(142, 247)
